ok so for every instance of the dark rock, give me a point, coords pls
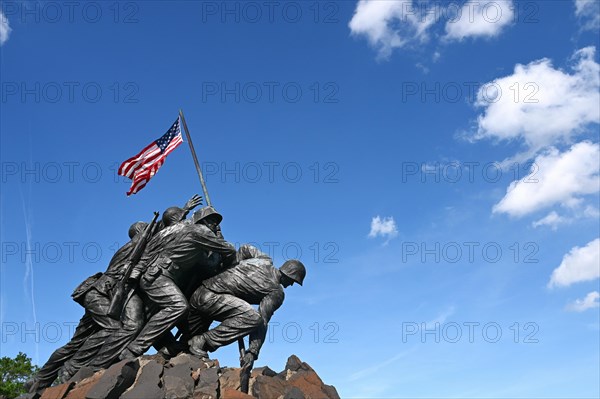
(205, 395)
(185, 358)
(209, 376)
(115, 380)
(188, 377)
(210, 363)
(230, 378)
(309, 383)
(147, 384)
(229, 393)
(178, 381)
(207, 383)
(294, 393)
(58, 391)
(263, 371)
(292, 366)
(268, 388)
(266, 371)
(176, 388)
(207, 364)
(330, 391)
(84, 372)
(84, 386)
(157, 358)
(295, 364)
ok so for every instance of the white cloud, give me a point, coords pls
(385, 228)
(480, 19)
(589, 302)
(580, 264)
(390, 24)
(552, 220)
(555, 179)
(591, 212)
(5, 28)
(540, 104)
(422, 67)
(588, 11)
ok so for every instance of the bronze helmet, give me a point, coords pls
(294, 269)
(206, 212)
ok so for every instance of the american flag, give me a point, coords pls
(144, 165)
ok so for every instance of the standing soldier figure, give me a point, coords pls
(95, 326)
(172, 259)
(104, 347)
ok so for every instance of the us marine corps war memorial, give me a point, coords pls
(164, 289)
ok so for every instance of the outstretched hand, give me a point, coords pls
(193, 202)
(247, 362)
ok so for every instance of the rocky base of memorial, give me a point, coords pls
(185, 376)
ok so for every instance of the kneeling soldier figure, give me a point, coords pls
(228, 297)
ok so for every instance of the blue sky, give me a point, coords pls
(434, 165)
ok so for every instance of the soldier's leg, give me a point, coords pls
(132, 322)
(49, 371)
(167, 338)
(172, 307)
(199, 318)
(97, 305)
(238, 318)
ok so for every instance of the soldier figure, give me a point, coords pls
(174, 257)
(95, 326)
(183, 259)
(105, 346)
(98, 338)
(175, 214)
(228, 297)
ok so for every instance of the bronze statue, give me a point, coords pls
(229, 296)
(94, 294)
(180, 273)
(99, 338)
(172, 258)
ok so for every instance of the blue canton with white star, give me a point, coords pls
(164, 141)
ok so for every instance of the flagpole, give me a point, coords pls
(189, 139)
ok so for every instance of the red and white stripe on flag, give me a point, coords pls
(143, 166)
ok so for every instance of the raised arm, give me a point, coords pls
(192, 203)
